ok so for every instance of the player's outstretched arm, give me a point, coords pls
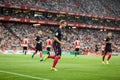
(115, 46)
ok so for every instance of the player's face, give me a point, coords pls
(110, 34)
(64, 24)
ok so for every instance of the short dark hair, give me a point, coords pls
(62, 21)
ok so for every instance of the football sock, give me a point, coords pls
(40, 55)
(109, 56)
(103, 57)
(55, 61)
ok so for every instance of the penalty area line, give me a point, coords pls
(23, 75)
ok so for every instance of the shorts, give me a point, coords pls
(57, 48)
(96, 50)
(76, 49)
(24, 48)
(103, 52)
(48, 48)
(38, 47)
(107, 50)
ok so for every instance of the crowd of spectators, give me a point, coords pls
(12, 33)
(99, 7)
(18, 13)
(88, 37)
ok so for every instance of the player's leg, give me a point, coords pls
(103, 57)
(108, 58)
(55, 47)
(34, 53)
(57, 57)
(36, 49)
(40, 51)
(25, 50)
(76, 52)
(41, 59)
(48, 50)
(102, 52)
(49, 56)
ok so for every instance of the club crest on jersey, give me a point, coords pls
(56, 34)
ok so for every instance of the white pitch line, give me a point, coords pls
(28, 76)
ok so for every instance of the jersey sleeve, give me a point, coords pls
(35, 38)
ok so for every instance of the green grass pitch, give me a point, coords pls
(23, 67)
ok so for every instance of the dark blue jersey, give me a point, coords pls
(108, 45)
(58, 34)
(56, 45)
(38, 39)
(108, 42)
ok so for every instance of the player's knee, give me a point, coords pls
(108, 53)
(58, 56)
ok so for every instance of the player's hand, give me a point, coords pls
(62, 43)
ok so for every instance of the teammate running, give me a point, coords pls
(38, 47)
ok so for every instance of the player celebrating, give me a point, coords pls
(77, 46)
(48, 43)
(38, 47)
(57, 45)
(108, 49)
(25, 45)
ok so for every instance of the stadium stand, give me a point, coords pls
(14, 32)
(88, 37)
(104, 7)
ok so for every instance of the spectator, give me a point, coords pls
(88, 37)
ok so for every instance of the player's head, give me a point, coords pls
(96, 45)
(48, 37)
(63, 23)
(39, 33)
(110, 34)
(76, 38)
